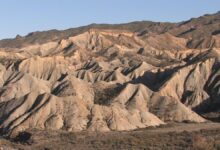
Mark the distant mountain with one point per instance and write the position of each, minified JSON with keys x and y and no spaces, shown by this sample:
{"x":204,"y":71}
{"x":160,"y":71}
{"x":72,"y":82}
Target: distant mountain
{"x":200,"y":32}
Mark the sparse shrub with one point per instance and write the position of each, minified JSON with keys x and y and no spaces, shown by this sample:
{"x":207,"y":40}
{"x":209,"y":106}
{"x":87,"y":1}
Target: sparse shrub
{"x":202,"y":143}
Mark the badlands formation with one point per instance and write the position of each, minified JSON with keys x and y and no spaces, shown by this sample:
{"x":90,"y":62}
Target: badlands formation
{"x":111,"y":77}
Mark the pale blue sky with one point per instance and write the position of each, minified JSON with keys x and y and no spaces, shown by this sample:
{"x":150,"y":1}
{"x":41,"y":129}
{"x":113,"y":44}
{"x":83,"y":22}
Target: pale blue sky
{"x":24,"y":16}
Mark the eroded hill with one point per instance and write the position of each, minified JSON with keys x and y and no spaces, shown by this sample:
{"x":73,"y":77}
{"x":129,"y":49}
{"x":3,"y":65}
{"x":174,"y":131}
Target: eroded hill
{"x":111,"y":77}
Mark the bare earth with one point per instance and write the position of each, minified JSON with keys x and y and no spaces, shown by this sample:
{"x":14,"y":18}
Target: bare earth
{"x":172,"y":136}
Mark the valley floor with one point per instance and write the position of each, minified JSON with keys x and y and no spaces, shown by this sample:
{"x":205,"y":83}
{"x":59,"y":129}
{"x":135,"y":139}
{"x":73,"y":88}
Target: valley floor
{"x":176,"y":136}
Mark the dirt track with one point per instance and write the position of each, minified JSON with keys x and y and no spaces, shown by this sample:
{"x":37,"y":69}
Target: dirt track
{"x":182,"y":127}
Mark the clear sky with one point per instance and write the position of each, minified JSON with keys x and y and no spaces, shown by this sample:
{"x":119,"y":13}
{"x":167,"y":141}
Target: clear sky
{"x":24,"y":16}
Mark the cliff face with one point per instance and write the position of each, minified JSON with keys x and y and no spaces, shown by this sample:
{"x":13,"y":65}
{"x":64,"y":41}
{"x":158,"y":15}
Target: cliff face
{"x":111,"y":77}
